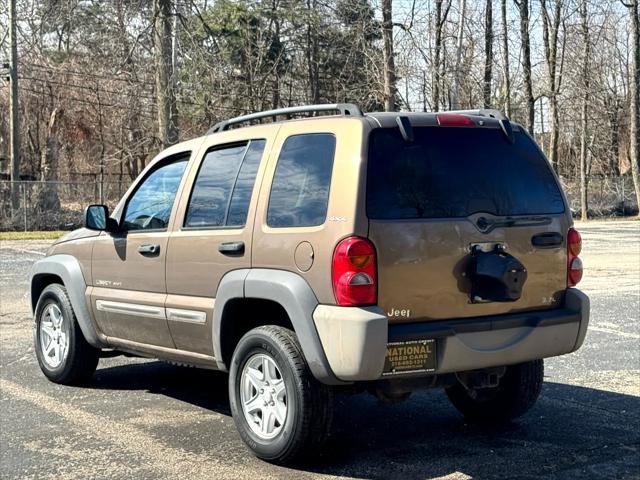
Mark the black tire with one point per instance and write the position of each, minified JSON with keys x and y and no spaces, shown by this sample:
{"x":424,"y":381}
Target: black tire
{"x":81,"y":359}
{"x":516,"y":393}
{"x":309,"y":403}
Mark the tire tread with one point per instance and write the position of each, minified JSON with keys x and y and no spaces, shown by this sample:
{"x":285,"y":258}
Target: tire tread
{"x":82,"y":358}
{"x":316,"y":399}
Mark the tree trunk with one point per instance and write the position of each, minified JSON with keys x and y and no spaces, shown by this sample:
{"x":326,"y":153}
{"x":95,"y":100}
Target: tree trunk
{"x":165,"y":91}
{"x":488,"y":52}
{"x":584,"y":185}
{"x":523,"y":7}
{"x":14,"y":115}
{"x":435,"y":101}
{"x":550,"y":30}
{"x":455,"y":96}
{"x":505,"y":59}
{"x":312,"y":54}
{"x":613,"y":114}
{"x":389,"y":63}
{"x":275,"y":84}
{"x":48,"y":200}
{"x":634,"y":89}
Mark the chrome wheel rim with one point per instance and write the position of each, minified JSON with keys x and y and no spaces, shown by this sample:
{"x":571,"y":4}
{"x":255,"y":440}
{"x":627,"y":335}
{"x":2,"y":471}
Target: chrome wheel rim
{"x":54,"y":336}
{"x":263,"y":395}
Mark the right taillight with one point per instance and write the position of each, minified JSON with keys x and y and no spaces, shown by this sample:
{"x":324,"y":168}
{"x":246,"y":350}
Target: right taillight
{"x":574,"y":264}
{"x":354,"y":272}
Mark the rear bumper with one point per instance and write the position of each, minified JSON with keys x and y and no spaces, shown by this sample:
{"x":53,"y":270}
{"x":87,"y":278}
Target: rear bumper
{"x":355,"y":339}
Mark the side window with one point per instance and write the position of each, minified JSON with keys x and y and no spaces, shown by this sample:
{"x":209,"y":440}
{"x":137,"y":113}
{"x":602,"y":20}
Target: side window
{"x":149,"y":207}
{"x":300,"y":189}
{"x":222,"y":190}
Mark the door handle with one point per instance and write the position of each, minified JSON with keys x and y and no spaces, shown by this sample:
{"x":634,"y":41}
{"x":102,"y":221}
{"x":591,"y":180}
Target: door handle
{"x":149,"y":249}
{"x":547,"y":240}
{"x":231,"y":248}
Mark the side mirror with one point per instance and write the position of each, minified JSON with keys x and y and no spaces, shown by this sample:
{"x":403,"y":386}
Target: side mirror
{"x":96,"y":217}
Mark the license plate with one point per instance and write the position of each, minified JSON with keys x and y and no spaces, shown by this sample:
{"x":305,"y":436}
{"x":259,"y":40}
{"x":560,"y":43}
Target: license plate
{"x":416,"y":356}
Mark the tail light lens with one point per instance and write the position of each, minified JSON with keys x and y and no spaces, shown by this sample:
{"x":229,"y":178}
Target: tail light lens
{"x":354,"y":272}
{"x":574,"y":264}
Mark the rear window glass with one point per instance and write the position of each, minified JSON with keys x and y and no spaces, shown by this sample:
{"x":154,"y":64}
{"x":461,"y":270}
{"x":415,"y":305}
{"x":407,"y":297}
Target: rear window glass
{"x":455,"y":172}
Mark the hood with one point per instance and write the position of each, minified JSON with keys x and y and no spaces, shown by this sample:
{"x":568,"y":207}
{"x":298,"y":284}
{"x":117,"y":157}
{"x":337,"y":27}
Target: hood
{"x":77,"y":234}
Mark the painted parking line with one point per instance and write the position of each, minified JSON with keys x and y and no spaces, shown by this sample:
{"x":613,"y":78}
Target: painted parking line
{"x":615,"y":332}
{"x":23,"y":250}
{"x":169,"y":462}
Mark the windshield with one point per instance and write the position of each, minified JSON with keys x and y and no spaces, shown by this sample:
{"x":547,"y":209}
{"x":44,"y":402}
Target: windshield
{"x":455,"y":172}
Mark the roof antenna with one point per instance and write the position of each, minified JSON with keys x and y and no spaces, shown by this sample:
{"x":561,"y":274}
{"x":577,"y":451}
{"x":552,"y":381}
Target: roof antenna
{"x":405,"y":128}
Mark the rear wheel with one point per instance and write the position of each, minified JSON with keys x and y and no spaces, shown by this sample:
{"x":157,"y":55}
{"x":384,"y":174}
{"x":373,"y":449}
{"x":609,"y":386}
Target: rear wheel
{"x":281,"y":411}
{"x":63,"y":353}
{"x":515,"y":394}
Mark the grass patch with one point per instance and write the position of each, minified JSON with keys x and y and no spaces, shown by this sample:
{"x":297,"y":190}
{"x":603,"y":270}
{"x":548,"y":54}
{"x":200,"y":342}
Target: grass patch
{"x":48,"y":235}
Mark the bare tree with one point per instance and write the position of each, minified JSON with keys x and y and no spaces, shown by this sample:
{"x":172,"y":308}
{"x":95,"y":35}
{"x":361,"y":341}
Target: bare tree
{"x":312,"y":47}
{"x":523,"y":7}
{"x":634,"y":90}
{"x":505,"y":58}
{"x":165,"y":90}
{"x":488,"y":52}
{"x":584,"y":119}
{"x":48,"y":199}
{"x":550,"y":28}
{"x":107,"y":66}
{"x":389,"y":63}
{"x":455,"y":94}
{"x":438,"y":68}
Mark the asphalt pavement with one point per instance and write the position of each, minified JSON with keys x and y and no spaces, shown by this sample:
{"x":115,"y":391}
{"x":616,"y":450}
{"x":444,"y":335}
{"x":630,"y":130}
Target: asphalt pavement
{"x":147,"y":419}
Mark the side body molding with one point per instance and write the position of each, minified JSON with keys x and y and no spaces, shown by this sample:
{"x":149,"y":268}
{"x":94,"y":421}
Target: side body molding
{"x":68,"y":269}
{"x":296,"y":297}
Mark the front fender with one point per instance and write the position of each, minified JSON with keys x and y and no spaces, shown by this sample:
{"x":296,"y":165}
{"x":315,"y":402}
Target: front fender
{"x":67,"y":268}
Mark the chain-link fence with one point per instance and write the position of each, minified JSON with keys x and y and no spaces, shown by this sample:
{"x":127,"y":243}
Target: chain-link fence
{"x":59,"y":205}
{"x":28,"y":205}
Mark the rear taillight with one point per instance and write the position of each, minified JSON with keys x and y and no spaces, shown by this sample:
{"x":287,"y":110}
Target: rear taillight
{"x":574,"y":264}
{"x":454,"y":120}
{"x":354,"y":272}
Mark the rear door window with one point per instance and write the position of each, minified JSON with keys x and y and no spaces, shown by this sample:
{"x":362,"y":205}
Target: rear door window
{"x":455,"y":172}
{"x":300,"y":189}
{"x":222,"y":190}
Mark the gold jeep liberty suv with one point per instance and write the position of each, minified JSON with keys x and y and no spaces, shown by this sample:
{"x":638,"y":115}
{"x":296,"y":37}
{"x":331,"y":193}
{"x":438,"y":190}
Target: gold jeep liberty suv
{"x":336,"y":251}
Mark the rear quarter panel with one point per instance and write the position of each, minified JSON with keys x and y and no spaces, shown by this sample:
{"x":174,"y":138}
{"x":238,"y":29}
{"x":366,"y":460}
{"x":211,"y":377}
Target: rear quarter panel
{"x":276,"y":247}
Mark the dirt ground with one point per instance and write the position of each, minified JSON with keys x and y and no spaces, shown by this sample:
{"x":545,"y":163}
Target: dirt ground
{"x":147,"y":419}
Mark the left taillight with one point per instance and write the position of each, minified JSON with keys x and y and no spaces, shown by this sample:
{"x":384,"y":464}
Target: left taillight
{"x":354,"y":272}
{"x":574,"y":264}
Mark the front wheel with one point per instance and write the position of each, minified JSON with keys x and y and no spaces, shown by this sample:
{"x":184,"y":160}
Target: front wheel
{"x":515,"y":394}
{"x":281,"y":411}
{"x":62,"y":351}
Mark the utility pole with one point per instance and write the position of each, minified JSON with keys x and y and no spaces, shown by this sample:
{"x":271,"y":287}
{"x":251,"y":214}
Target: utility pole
{"x":13,"y":108}
{"x":165,"y":91}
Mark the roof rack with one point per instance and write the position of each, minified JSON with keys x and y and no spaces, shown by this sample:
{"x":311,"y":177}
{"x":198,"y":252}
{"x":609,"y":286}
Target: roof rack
{"x":481,"y":112}
{"x":503,"y":120}
{"x":346,"y":109}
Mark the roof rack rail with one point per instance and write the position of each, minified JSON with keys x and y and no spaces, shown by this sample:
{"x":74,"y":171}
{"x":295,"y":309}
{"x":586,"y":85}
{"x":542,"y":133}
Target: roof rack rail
{"x":481,"y":112}
{"x":503,"y":120}
{"x":347,"y":109}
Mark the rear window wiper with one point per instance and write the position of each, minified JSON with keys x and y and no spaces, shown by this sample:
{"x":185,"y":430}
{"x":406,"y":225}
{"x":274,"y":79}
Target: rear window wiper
{"x":486,"y":225}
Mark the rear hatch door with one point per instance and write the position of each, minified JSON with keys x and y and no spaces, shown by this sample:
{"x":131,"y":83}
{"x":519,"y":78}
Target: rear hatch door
{"x":429,"y":201}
